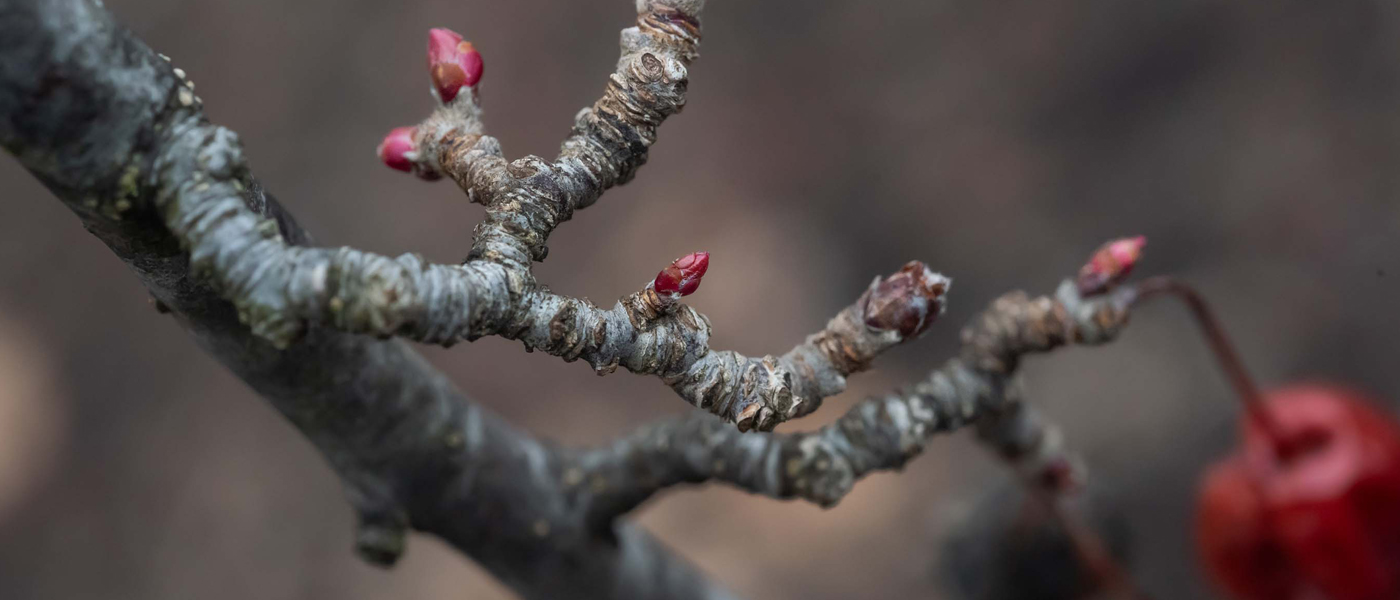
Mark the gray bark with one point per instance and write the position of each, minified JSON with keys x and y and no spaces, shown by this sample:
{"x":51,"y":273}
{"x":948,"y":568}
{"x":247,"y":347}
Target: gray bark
{"x":82,"y":105}
{"x":118,"y":136}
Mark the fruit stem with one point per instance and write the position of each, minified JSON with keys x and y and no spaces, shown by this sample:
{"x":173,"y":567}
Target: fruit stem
{"x":1225,"y":353}
{"x":1108,"y":573}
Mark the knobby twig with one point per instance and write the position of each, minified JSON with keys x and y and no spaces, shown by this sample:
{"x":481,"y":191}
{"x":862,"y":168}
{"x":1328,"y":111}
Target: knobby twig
{"x":880,"y":433}
{"x":198,"y":175}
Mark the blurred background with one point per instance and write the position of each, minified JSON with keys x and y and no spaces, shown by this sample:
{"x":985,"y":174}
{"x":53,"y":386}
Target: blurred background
{"x":1254,"y":142}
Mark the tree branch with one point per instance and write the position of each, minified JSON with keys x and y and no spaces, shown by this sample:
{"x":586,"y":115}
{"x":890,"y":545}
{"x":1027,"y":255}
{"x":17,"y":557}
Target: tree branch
{"x":879,"y":433}
{"x":754,"y":393}
{"x":89,"y":109}
{"x":119,"y":136}
{"x":194,"y":175}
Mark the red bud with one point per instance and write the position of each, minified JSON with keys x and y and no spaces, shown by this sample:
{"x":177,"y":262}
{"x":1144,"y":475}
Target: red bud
{"x":1110,"y":265}
{"x":1316,"y":519}
{"x":398,"y":150}
{"x":683,"y":276}
{"x":452,"y":63}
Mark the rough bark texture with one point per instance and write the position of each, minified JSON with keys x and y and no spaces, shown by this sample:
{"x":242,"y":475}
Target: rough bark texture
{"x":119,"y":136}
{"x":97,"y":116}
{"x":194,"y":175}
{"x":885,"y":432}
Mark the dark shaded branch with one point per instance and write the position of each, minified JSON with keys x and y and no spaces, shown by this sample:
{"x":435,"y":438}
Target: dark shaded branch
{"x":90,"y":111}
{"x":880,"y":433}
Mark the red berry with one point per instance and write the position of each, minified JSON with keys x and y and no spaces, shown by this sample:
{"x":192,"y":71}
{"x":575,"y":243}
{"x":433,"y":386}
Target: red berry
{"x":683,"y":276}
{"x":398,"y":150}
{"x":1311,"y":510}
{"x":1110,"y":265}
{"x":452,"y":63}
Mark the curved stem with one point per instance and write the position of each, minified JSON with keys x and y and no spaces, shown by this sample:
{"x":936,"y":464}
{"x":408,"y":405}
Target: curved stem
{"x":1224,"y":350}
{"x":1109,"y":574}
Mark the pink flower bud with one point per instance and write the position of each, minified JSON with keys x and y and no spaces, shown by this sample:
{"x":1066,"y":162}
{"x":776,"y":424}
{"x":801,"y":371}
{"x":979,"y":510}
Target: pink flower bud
{"x":907,"y":302}
{"x":398,"y":150}
{"x":1110,"y":265}
{"x":452,"y":63}
{"x":683,"y":276}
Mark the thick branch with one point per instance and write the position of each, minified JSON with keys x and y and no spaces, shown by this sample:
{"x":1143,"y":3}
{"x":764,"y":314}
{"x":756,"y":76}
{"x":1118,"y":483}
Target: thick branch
{"x":89,"y":110}
{"x":880,"y":433}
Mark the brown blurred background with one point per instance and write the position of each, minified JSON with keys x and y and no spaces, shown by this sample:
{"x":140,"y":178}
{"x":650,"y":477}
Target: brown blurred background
{"x":1254,"y":142}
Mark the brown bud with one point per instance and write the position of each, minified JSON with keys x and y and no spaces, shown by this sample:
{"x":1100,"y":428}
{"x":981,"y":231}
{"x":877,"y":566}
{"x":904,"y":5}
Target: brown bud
{"x":907,"y":302}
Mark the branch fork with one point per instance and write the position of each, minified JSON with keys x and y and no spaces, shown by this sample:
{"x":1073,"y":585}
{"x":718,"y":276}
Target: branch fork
{"x":412,"y":450}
